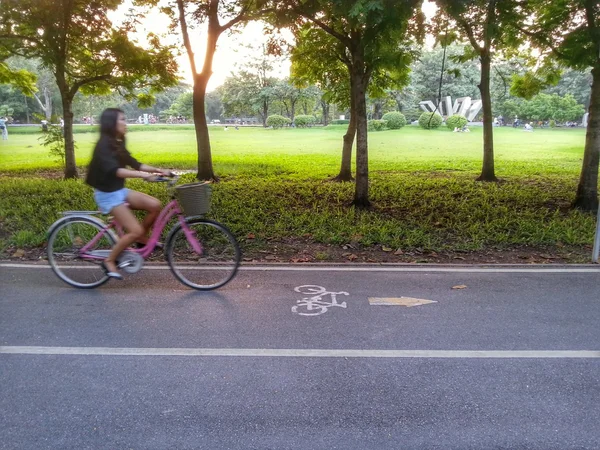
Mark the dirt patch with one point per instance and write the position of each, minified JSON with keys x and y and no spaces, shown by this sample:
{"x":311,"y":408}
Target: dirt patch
{"x":298,"y":252}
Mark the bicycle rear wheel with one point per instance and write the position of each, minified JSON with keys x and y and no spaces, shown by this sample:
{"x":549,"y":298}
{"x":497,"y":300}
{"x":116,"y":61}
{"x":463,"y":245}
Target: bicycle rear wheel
{"x":214,"y":265}
{"x":64,"y":245}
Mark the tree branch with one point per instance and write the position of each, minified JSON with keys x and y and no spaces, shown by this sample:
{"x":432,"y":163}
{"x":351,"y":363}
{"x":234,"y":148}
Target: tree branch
{"x":186,"y":37}
{"x":537,"y":36}
{"x":80,"y":83}
{"x":341,"y":37}
{"x":469,"y":31}
{"x":592,"y":26}
{"x":503,"y":78}
{"x":40,"y":102}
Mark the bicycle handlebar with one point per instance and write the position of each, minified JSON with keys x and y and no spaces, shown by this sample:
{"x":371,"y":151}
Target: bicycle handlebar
{"x":161,"y":179}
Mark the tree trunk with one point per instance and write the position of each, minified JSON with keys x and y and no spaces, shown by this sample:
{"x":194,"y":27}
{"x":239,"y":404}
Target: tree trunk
{"x":26,"y":108}
{"x":70,"y":165}
{"x":348,"y":141}
{"x":487,"y":171}
{"x":265,"y":113}
{"x":587,"y":190}
{"x":292,"y":110}
{"x":346,"y":168}
{"x":48,"y":100}
{"x":47,"y":105}
{"x":205,"y":167}
{"x":377,"y":110}
{"x":325,"y":107}
{"x":360,"y":81}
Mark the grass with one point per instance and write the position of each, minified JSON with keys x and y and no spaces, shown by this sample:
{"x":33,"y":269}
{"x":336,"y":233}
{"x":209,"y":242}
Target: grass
{"x":274,"y":187}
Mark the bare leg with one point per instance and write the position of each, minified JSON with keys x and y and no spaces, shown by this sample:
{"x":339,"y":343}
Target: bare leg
{"x":134,"y":231}
{"x":144,"y":202}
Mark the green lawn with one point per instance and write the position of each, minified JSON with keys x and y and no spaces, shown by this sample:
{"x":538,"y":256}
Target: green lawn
{"x":274,"y":187}
{"x":316,"y":152}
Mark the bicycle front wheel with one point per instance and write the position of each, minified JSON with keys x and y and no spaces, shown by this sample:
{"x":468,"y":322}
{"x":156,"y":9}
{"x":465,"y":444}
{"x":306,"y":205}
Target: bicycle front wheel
{"x":69,"y":263}
{"x":214,"y":260}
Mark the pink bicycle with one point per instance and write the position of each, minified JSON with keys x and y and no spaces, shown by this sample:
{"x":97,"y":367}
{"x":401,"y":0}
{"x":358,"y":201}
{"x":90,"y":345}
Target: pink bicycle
{"x":201,"y":253}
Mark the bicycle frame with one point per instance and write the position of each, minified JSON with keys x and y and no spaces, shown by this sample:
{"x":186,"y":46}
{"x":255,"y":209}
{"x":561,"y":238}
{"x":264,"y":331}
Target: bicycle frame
{"x":169,"y":211}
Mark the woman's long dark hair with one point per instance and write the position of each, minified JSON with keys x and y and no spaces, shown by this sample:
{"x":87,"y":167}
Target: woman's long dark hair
{"x":108,"y":131}
{"x":108,"y":122}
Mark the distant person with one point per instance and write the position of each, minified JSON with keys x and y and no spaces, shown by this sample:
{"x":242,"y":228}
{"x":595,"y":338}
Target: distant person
{"x":226,"y":128}
{"x":465,"y":129}
{"x":44,"y":125}
{"x":4,"y":128}
{"x":528,"y":127}
{"x":61,"y":122}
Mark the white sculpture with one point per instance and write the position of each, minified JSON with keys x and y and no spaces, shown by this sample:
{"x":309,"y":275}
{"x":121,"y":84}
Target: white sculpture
{"x":463,"y":106}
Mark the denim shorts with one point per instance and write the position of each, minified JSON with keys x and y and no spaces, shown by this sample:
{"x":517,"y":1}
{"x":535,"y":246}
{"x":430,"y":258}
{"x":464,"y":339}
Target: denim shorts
{"x":106,"y":201}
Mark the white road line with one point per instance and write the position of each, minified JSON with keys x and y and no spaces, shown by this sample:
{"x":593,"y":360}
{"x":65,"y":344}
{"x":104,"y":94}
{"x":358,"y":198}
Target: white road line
{"x":303,"y":353}
{"x":382,"y":268}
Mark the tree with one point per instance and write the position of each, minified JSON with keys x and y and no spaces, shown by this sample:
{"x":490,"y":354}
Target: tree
{"x":46,"y":84}
{"x":184,"y":105}
{"x":76,"y":40}
{"x":318,"y":58}
{"x":458,"y":80}
{"x":574,"y":82}
{"x":214,"y":105}
{"x":568,"y":32}
{"x":374,"y":37}
{"x":489,"y":26}
{"x":219,"y":16}
{"x":20,"y":79}
{"x":551,"y":107}
{"x":248,"y":94}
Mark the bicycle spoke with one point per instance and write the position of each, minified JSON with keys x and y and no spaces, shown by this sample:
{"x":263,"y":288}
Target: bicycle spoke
{"x":209,"y":262}
{"x":69,"y":252}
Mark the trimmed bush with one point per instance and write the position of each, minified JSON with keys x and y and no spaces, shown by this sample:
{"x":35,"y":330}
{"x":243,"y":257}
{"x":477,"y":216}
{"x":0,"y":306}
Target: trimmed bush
{"x":552,"y":123}
{"x":395,"y":120}
{"x":428,"y":122}
{"x":456,"y":121}
{"x":304,"y":121}
{"x":376,"y":125}
{"x":277,"y":121}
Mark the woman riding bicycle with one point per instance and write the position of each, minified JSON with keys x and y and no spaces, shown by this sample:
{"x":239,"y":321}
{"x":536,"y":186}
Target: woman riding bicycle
{"x":106,"y":174}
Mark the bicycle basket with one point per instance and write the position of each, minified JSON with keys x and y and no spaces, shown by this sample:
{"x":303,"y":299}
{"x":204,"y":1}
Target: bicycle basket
{"x":194,"y":198}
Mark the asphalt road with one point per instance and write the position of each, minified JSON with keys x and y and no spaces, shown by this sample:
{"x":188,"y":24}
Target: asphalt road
{"x":509,"y":361}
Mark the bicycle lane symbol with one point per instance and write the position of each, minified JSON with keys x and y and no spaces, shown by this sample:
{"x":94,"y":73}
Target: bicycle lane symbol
{"x":314,"y":304}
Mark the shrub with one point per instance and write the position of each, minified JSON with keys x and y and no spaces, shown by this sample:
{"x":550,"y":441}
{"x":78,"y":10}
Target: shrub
{"x":304,"y":121}
{"x":277,"y":121}
{"x":552,"y":123}
{"x":340,"y":122}
{"x":395,"y":120}
{"x":376,"y":125}
{"x":430,"y":120}
{"x":456,"y":121}
{"x":54,"y":140}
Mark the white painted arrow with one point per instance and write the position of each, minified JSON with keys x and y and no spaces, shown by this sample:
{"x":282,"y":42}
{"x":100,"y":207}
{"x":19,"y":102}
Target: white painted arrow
{"x":399,"y":301}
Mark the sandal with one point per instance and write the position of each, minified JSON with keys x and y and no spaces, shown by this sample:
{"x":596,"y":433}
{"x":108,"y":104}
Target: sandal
{"x":108,"y":273}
